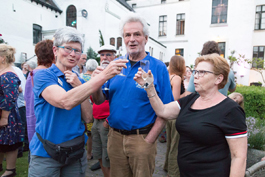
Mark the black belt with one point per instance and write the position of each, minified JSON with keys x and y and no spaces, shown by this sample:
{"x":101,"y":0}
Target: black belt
{"x":144,"y":130}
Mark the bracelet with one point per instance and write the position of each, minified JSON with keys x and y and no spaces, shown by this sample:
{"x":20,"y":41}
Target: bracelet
{"x":151,"y":96}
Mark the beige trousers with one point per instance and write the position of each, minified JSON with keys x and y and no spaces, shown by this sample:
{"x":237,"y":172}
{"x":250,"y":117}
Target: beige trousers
{"x":130,"y":155}
{"x":171,"y":162}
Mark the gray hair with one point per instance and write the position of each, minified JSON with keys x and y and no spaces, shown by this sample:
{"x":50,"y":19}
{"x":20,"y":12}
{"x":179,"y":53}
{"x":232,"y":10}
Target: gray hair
{"x":66,"y":35}
{"x":133,"y":17}
{"x":91,"y":64}
{"x":32,"y":64}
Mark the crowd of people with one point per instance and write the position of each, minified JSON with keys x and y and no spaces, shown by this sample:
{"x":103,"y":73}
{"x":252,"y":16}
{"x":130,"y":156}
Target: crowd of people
{"x":70,"y":102}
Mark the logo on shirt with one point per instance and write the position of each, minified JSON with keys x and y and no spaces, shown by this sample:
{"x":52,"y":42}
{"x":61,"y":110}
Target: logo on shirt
{"x":60,"y":82}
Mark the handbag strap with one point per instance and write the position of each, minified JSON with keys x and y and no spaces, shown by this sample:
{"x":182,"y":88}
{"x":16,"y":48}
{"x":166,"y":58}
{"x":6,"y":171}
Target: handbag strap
{"x":40,"y":138}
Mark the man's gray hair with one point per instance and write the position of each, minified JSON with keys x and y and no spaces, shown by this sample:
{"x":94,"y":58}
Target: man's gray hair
{"x":32,"y":64}
{"x":66,"y":35}
{"x":133,"y":17}
{"x":91,"y":64}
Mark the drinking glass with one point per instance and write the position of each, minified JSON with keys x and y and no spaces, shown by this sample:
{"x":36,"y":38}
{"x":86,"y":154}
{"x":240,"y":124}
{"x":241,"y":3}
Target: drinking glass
{"x":104,"y":64}
{"x":123,"y":70}
{"x":144,"y":64}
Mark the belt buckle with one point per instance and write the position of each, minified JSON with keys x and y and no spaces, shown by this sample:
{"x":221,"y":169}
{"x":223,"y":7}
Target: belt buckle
{"x":121,"y":131}
{"x":125,"y":132}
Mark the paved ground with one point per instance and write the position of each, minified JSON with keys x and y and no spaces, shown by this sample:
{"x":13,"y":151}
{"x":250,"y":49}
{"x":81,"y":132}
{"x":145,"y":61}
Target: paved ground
{"x":159,"y":172}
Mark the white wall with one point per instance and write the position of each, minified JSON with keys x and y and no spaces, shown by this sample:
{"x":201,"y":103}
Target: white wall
{"x":258,"y":40}
{"x":151,"y":10}
{"x":238,"y":33}
{"x":256,"y":77}
{"x":17,"y":26}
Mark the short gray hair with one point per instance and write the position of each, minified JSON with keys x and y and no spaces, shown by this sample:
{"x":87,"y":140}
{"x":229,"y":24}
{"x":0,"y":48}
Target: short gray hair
{"x":133,"y":17}
{"x":91,"y":64}
{"x":32,"y":64}
{"x":66,"y":35}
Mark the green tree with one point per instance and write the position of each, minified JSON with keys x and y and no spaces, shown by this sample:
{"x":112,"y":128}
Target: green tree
{"x":92,"y":54}
{"x":241,"y":60}
{"x":101,"y":39}
{"x":257,"y":64}
{"x":1,"y":39}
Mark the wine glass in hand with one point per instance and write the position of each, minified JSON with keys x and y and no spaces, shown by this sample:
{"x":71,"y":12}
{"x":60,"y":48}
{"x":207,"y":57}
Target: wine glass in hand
{"x":144,"y":64}
{"x":104,"y":64}
{"x":123,"y":70}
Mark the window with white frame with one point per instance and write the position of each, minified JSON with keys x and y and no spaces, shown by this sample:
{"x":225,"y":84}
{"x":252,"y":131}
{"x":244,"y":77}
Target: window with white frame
{"x":219,"y":11}
{"x":258,"y":57}
{"x":119,"y":42}
{"x":112,"y":41}
{"x":179,"y":52}
{"x":37,"y":36}
{"x":71,"y":16}
{"x":180,"y":24}
{"x":260,"y":17}
{"x":163,"y":25}
{"x":221,"y":46}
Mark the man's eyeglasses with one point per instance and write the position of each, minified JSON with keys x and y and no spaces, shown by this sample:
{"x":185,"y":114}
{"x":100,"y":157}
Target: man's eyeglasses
{"x":201,"y":72}
{"x":70,"y":49}
{"x":107,"y":54}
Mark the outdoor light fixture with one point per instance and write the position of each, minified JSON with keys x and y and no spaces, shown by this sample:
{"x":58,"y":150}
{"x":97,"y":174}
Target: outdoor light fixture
{"x":84,"y":13}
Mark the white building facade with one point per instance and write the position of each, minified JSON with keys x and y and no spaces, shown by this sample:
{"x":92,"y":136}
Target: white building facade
{"x":177,"y":27}
{"x":184,"y":25}
{"x":23,"y":16}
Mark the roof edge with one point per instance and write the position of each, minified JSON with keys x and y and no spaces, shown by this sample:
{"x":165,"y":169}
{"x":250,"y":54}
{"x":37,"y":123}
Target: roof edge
{"x":158,"y":42}
{"x":56,"y":9}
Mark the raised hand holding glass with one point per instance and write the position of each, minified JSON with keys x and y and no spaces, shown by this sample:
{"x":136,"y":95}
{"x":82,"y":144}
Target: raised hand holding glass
{"x":144,"y":64}
{"x":104,"y":64}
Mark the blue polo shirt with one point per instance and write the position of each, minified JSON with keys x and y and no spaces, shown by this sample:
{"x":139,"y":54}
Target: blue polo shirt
{"x":54,"y":124}
{"x":129,"y":105}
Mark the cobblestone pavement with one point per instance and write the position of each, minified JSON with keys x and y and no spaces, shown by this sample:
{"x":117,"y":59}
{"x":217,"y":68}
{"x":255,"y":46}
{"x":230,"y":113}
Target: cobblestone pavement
{"x":159,"y":172}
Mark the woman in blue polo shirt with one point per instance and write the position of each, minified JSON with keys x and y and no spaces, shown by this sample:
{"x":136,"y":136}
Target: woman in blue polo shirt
{"x":59,"y":109}
{"x":61,"y":101}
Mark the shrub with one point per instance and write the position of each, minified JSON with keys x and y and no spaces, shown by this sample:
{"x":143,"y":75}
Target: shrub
{"x":256,"y":133}
{"x":254,"y":100}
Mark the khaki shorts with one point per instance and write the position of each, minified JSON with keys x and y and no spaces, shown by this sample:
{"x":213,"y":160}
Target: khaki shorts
{"x":45,"y":166}
{"x":99,"y":141}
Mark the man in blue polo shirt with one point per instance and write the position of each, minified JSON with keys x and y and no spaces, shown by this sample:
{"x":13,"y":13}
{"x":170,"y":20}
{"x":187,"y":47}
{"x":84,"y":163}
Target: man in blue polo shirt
{"x":134,"y":125}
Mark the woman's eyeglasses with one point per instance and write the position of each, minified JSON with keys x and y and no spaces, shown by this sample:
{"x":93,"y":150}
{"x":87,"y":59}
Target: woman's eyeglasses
{"x":201,"y":73}
{"x":70,"y":49}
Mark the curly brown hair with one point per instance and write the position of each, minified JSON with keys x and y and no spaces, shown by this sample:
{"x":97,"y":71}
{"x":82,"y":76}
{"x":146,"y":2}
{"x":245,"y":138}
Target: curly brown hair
{"x":44,"y":52}
{"x":210,"y":47}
